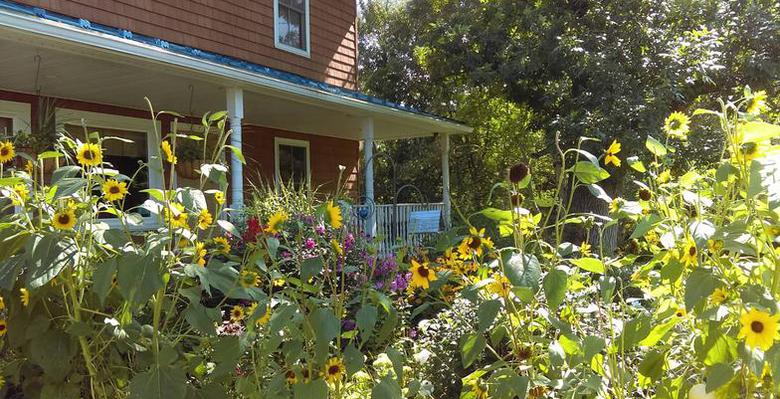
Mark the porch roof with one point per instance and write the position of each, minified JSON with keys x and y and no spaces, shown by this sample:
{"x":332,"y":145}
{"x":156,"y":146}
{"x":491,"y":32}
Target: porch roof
{"x":123,"y":67}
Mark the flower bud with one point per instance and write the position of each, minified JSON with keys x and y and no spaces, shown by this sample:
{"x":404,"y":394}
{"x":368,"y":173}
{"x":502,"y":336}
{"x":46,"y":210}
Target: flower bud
{"x":518,"y":172}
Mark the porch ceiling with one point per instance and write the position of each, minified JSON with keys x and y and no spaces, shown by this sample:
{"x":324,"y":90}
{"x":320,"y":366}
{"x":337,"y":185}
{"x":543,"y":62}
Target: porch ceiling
{"x":74,"y":70}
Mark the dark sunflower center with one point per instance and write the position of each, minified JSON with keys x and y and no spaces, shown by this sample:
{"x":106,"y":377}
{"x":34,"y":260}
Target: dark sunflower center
{"x":114,"y":190}
{"x":4,"y":151}
{"x":64,"y":219}
{"x":423,"y":272}
{"x":2,"y":327}
{"x":475,"y":242}
{"x":757,"y":327}
{"x":333,"y":370}
{"x":679,"y":314}
{"x":88,"y":155}
{"x":692,"y":251}
{"x":674,"y":124}
{"x":290,"y":374}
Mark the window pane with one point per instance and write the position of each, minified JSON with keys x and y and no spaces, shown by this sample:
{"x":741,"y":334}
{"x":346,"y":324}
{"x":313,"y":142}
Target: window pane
{"x":6,"y":126}
{"x":291,"y":23}
{"x":125,"y":158}
{"x":292,"y":164}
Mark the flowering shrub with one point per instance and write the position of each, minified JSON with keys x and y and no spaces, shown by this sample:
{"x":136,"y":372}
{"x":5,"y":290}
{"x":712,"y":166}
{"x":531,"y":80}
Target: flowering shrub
{"x":169,"y":299}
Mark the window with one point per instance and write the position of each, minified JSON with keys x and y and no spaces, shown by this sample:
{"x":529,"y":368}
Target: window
{"x":292,"y":161}
{"x":291,"y":26}
{"x":14,"y":118}
{"x":123,"y":155}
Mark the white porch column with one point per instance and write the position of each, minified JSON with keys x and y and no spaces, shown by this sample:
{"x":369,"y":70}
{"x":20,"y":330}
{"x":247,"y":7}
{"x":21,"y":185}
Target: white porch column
{"x":445,"y":179}
{"x":235,"y":108}
{"x":368,"y":168}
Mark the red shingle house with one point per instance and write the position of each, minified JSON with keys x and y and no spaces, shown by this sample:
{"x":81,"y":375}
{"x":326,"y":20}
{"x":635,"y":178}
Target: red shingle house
{"x":284,"y":69}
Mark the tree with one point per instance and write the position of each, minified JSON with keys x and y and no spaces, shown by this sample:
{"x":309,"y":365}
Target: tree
{"x":604,"y":69}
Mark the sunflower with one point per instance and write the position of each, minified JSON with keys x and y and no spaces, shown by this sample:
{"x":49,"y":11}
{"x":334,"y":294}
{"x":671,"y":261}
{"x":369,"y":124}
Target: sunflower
{"x":719,"y":296}
{"x":204,"y":219}
{"x":474,"y":243}
{"x":263,"y":320}
{"x":479,"y":391}
{"x":276,"y":220}
{"x":175,"y":216}
{"x":3,"y":327}
{"x":64,"y":219}
{"x":21,"y":194}
{"x":7,"y":152}
{"x":756,"y":103}
{"x":611,"y":155}
{"x":200,"y":253}
{"x":89,"y":154}
{"x":223,"y":243}
{"x":585,"y":249}
{"x":219,"y":197}
{"x":237,"y":313}
{"x":759,"y":329}
{"x":664,"y":177}
{"x":715,"y":246}
{"x":28,"y":167}
{"x":680,"y":313}
{"x":24,"y":296}
{"x":291,"y":377}
{"x":168,"y":152}
{"x":249,"y":279}
{"x":676,"y":125}
{"x":690,"y":254}
{"x":334,"y":370}
{"x":2,"y":303}
{"x":114,"y":190}
{"x":337,"y":247}
{"x":334,"y":215}
{"x":422,"y":274}
{"x":615,"y":205}
{"x":500,"y":285}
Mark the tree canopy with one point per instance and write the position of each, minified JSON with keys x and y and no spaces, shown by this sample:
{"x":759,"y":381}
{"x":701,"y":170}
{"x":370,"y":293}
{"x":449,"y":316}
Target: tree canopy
{"x":522,"y":72}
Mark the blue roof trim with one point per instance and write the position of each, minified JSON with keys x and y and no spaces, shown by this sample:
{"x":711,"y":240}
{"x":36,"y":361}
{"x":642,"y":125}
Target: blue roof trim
{"x":212,"y":57}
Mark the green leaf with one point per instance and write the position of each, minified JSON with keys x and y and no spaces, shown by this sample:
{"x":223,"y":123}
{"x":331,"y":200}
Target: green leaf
{"x":326,"y":327}
{"x":201,"y":318}
{"x":366,"y":321}
{"x":387,"y":388}
{"x":311,"y":267}
{"x":523,"y":271}
{"x":53,"y":351}
{"x":316,"y":389}
{"x":50,"y":255}
{"x":757,"y":131}
{"x":397,"y":358}
{"x":10,"y":271}
{"x":645,"y":224}
{"x":657,"y":333}
{"x":62,"y":172}
{"x":656,"y":147}
{"x":555,"y":284}
{"x":159,"y":382}
{"x":69,"y":185}
{"x":589,"y":264}
{"x":471,"y":347}
{"x":353,"y":359}
{"x":227,"y":351}
{"x":636,"y":164}
{"x":229,"y":227}
{"x":698,"y":286}
{"x":589,"y":173}
{"x":138,"y":277}
{"x":652,"y":366}
{"x":497,"y":214}
{"x":634,"y":331}
{"x":487,"y":313}
{"x":237,"y":153}
{"x":103,"y":278}
{"x":719,"y":375}
{"x":591,"y":345}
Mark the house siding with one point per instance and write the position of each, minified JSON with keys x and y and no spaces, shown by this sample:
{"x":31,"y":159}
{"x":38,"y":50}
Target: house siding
{"x":236,"y":28}
{"x":326,"y":154}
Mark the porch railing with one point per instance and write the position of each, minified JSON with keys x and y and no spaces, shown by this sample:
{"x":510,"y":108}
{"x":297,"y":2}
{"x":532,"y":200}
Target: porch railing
{"x":392,"y":223}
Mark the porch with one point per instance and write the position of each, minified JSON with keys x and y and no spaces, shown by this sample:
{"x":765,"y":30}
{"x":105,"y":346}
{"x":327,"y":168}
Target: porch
{"x":96,"y":69}
{"x":397,"y":224}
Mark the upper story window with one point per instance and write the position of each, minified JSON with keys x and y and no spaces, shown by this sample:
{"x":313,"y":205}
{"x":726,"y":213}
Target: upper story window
{"x":291,"y":26}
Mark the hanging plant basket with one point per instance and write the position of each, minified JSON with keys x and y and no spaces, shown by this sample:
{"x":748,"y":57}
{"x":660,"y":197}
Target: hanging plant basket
{"x":188,"y":169}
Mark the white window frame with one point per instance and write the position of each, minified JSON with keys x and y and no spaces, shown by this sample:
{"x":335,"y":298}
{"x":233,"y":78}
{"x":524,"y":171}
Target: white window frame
{"x":302,"y":52}
{"x":294,"y":143}
{"x":19,"y":113}
{"x":126,"y":123}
